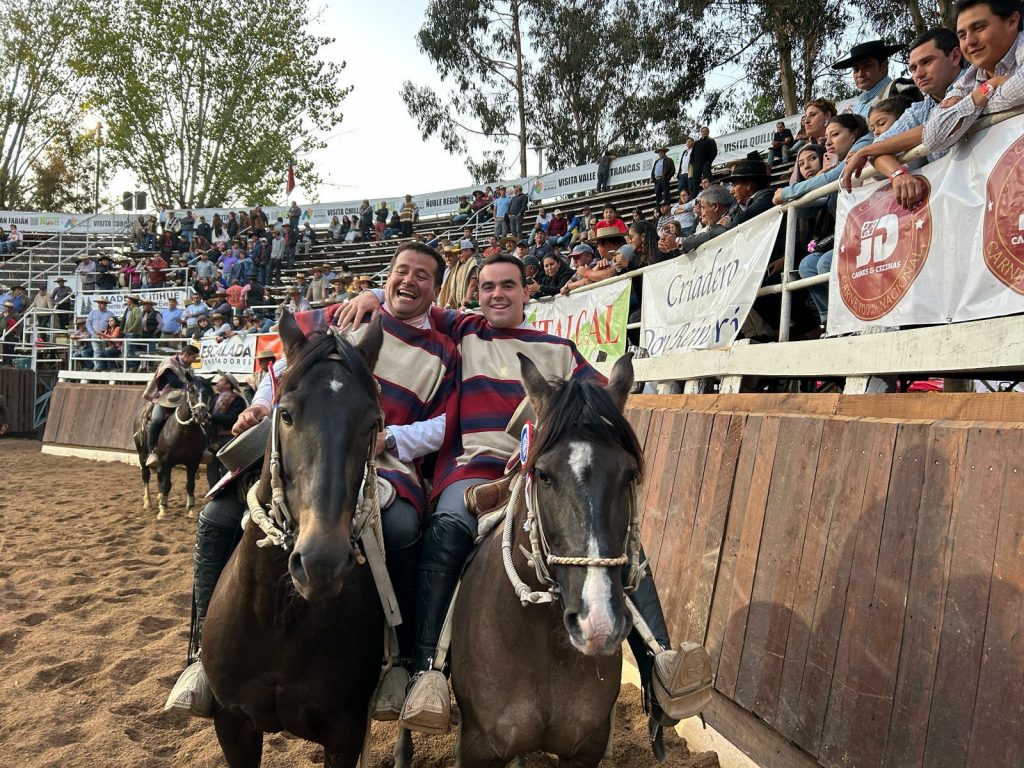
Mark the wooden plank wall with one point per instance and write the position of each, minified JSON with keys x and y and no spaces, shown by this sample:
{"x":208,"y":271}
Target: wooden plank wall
{"x":93,"y":415}
{"x":858,"y":581}
{"x":18,"y":387}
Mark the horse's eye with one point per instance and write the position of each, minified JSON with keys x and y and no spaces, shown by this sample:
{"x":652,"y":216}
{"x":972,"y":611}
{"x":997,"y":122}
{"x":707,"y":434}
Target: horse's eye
{"x":286,"y":417}
{"x":543,"y":477}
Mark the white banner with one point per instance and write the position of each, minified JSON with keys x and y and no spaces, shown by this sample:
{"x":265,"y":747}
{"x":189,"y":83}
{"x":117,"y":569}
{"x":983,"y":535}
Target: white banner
{"x":595,"y":319}
{"x":36,"y":221}
{"x":959,"y":256}
{"x":701,"y":299}
{"x":234,"y":355}
{"x":84,"y":302}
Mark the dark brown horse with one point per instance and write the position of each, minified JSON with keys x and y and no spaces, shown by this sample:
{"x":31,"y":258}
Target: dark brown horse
{"x":545,"y":677}
{"x":294,"y":640}
{"x":183,"y":439}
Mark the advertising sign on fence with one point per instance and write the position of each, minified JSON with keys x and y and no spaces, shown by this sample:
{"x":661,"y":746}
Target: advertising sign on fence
{"x":958,"y":256}
{"x":234,"y":355}
{"x":84,"y":302}
{"x":595,"y":320}
{"x":701,"y":299}
{"x":56,"y":222}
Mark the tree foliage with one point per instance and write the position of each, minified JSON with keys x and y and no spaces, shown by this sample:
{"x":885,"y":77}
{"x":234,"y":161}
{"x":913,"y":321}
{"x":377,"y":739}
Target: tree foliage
{"x":479,"y":47}
{"x":614,"y":76}
{"x":576,"y":77}
{"x":491,"y":168}
{"x":208,"y":102}
{"x":40,"y":90}
{"x":63,"y":177}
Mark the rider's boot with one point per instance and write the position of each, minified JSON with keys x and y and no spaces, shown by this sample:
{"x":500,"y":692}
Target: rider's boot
{"x":680,"y":679}
{"x":428,"y":704}
{"x":214,"y":544}
{"x":402,"y":569}
{"x":152,"y":436}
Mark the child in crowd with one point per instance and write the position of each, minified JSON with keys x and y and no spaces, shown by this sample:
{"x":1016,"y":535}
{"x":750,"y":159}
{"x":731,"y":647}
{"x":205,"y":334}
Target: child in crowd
{"x":885,"y":113}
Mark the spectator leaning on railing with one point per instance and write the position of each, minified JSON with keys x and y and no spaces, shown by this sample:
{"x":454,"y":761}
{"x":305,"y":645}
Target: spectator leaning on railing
{"x":990,"y":38}
{"x":936,"y":64}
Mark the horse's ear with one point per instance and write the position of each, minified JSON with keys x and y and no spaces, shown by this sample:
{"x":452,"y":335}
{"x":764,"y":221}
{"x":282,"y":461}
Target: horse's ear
{"x":537,"y":387}
{"x":292,"y":337}
{"x":369,"y":345}
{"x":621,"y":381}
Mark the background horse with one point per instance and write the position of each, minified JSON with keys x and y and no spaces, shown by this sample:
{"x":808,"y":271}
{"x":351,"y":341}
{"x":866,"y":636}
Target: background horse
{"x":545,"y":677}
{"x":3,"y":415}
{"x":183,"y":439}
{"x":295,"y":641}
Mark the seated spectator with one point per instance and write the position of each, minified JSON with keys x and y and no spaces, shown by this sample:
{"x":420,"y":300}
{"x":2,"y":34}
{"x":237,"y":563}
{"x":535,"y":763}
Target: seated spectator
{"x":307,"y":239}
{"x":715,"y":203}
{"x":750,"y":180}
{"x":541,"y":247}
{"x":493,"y":246}
{"x":558,"y":228}
{"x":614,"y":255}
{"x":394,"y":227}
{"x":578,"y":226}
{"x":817,"y":113}
{"x":611,"y":219}
{"x":334,"y":231}
{"x":782,"y":143}
{"x":582,"y":257}
{"x":683,"y":213}
{"x":935,"y":63}
{"x":845,"y":133}
{"x":531,"y":265}
{"x":480,"y":204}
{"x":664,"y":215}
{"x":463,"y":211}
{"x":296,"y":301}
{"x":82,"y":347}
{"x":204,"y":268}
{"x":13,"y":241}
{"x":543,"y":219}
{"x":870,"y":64}
{"x":236,"y":297}
{"x":885,"y":113}
{"x":556,"y":275}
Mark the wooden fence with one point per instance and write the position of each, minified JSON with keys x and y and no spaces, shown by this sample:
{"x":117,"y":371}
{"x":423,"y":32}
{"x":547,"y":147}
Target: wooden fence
{"x":17,"y":386}
{"x":858,"y":580}
{"x":96,"y":416}
{"x":854,"y":564}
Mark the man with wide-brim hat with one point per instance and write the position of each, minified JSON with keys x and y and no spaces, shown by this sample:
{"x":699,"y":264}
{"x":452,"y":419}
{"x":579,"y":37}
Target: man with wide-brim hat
{"x":662,"y":173}
{"x":870,"y":64}
{"x":750,"y":180}
{"x":508,"y":243}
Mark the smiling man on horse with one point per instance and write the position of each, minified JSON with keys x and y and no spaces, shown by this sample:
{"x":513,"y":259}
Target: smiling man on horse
{"x":170,"y":379}
{"x":475,"y":450}
{"x":415,"y":371}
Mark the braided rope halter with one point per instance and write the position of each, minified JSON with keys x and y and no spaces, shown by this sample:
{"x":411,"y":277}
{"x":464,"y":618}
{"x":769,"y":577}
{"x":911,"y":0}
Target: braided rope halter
{"x":524,"y":492}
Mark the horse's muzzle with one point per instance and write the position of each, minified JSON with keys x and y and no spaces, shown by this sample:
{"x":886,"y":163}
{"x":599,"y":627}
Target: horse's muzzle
{"x":319,"y":564}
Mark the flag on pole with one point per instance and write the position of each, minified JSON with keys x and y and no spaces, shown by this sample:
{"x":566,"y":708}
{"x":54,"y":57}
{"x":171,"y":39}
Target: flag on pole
{"x":291,"y":178}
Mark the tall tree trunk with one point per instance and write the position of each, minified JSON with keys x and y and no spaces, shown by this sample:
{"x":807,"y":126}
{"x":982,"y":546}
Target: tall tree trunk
{"x":920,"y":26}
{"x":520,"y":86}
{"x":786,"y":75}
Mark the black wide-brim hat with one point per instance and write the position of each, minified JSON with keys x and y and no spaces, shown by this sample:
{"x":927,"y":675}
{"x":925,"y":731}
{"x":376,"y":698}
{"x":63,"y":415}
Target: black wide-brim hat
{"x":749,"y":169}
{"x":872,"y":49}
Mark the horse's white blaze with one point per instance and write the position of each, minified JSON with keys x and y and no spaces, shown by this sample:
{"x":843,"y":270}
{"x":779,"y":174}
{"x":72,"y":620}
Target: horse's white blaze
{"x":581,"y":456}
{"x":597,"y":598}
{"x":336,"y":385}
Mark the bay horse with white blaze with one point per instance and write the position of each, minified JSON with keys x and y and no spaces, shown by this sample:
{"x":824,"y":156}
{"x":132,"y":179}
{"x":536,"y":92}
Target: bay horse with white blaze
{"x":294,"y":640}
{"x":183,"y":439}
{"x":546,"y":676}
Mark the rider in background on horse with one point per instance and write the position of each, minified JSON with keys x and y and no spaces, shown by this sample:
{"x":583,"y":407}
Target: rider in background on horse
{"x":475,"y":450}
{"x":415,"y":371}
{"x":173,"y":374}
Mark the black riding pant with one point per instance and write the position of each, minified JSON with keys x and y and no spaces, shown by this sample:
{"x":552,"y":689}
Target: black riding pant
{"x":156,"y":423}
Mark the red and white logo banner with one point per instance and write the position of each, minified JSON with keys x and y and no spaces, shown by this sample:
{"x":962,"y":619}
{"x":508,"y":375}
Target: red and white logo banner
{"x":958,"y":256}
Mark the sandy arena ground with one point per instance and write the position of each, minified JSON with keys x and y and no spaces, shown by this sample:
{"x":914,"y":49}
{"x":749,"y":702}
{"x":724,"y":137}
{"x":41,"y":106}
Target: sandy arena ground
{"x":94,"y":610}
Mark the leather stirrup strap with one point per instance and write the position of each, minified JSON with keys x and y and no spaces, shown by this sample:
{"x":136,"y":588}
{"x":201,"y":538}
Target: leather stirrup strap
{"x":446,"y":632}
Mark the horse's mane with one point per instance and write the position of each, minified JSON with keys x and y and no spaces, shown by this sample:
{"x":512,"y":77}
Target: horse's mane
{"x":582,"y":408}
{"x":319,"y":347}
